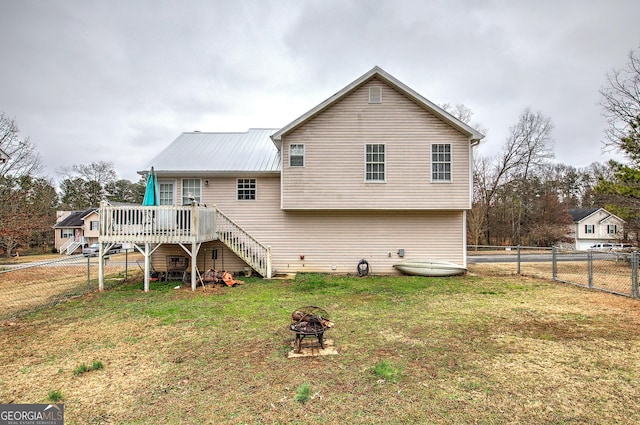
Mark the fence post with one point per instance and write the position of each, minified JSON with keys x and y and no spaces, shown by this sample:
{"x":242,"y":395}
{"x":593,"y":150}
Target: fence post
{"x":590,"y":268}
{"x":634,"y":274}
{"x":518,"y":256}
{"x":88,"y":273}
{"x":126,"y":263}
{"x":554,"y":263}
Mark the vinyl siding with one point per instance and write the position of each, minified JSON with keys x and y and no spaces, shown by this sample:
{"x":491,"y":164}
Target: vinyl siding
{"x":333,"y":177}
{"x":330,"y":241}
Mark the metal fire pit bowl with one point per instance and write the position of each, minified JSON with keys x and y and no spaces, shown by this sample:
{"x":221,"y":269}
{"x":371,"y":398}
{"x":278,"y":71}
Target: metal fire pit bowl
{"x":309,"y":320}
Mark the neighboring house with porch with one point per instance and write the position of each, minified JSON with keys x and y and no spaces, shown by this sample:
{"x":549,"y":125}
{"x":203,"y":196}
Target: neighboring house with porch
{"x":375,"y":172}
{"x":595,"y":228}
{"x":75,"y":229}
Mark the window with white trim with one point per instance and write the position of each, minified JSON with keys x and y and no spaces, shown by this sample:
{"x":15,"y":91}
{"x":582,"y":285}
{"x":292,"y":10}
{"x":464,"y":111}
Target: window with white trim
{"x":441,"y":162}
{"x":246,"y":189}
{"x":190,"y":187}
{"x":166,"y":192}
{"x":375,"y":159}
{"x":94,"y":225}
{"x":590,"y":229}
{"x":612,"y":229}
{"x":296,"y":155}
{"x":67,"y":233}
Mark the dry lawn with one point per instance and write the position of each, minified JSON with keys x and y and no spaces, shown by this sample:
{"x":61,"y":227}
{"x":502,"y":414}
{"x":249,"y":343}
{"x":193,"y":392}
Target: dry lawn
{"x":30,"y":288}
{"x":473,"y":349}
{"x":607,"y":274}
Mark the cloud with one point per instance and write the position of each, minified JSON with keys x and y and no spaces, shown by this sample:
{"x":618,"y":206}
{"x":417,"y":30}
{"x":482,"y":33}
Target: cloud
{"x":117,"y":81}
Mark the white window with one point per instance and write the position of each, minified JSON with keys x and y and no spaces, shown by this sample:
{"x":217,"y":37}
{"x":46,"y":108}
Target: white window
{"x":246,"y":189}
{"x":375,"y":94}
{"x":296,"y":156}
{"x":375,"y":163}
{"x":167,"y":192}
{"x":93,"y":225}
{"x":66,"y":233}
{"x":612,"y":229}
{"x":589,"y":228}
{"x":190,"y":188}
{"x":441,"y":162}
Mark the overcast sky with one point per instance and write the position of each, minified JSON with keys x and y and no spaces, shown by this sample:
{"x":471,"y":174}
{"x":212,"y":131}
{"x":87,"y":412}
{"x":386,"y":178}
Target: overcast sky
{"x":119,"y":80}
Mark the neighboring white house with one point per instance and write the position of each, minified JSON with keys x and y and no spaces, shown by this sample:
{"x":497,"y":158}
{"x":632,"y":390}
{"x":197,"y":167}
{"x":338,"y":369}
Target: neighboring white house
{"x":595,"y":228}
{"x":375,"y":172}
{"x":75,"y":229}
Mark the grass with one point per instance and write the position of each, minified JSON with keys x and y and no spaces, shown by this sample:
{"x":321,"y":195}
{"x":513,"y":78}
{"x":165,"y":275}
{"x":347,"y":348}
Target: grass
{"x":472,"y":349}
{"x":386,"y":372}
{"x":83,"y":368}
{"x":55,"y":396}
{"x":303,"y":393}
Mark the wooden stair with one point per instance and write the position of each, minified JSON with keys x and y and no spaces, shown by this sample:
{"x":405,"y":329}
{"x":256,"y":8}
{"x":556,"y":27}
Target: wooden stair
{"x":245,"y":246}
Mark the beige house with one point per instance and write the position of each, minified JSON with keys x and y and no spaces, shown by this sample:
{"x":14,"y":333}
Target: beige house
{"x":376,"y":172}
{"x":596,"y":228}
{"x":75,"y":229}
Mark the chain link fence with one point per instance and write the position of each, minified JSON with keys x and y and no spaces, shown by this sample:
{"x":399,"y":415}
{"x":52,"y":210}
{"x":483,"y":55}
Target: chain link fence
{"x":615,"y":272}
{"x":31,"y":286}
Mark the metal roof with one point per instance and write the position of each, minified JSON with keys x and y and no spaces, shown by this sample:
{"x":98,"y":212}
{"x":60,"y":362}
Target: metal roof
{"x":199,"y":152}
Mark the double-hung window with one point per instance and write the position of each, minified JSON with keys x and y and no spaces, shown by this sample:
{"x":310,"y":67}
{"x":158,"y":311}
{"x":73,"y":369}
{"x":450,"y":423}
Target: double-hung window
{"x":441,"y":162}
{"x":190,"y":188}
{"x":94,"y":225}
{"x":589,"y":229}
{"x":375,"y":160}
{"x":296,"y":155}
{"x":166,"y":192}
{"x":246,"y":189}
{"x":612,"y":229}
{"x":66,"y":233}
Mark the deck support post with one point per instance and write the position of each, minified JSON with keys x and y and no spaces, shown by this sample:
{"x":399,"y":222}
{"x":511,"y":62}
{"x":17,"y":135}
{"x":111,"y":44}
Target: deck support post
{"x":100,"y":266}
{"x":147,"y":265}
{"x":194,"y":256}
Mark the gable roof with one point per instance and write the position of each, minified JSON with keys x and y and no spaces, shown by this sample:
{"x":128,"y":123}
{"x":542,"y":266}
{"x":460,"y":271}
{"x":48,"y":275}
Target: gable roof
{"x":378,"y":72}
{"x":581,"y":213}
{"x":196,"y":152}
{"x":75,"y":219}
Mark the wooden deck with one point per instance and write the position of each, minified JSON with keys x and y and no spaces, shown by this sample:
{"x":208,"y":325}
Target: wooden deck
{"x":188,"y":226}
{"x":161,"y":224}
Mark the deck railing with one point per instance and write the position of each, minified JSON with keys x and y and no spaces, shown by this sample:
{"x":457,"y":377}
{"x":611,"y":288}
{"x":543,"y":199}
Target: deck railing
{"x":245,"y":246}
{"x":157,"y":224}
{"x":190,"y":224}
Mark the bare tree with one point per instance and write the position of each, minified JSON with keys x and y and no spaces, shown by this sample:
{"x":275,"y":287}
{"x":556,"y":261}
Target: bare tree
{"x":24,"y":159}
{"x":102,"y":172}
{"x":526,"y":151}
{"x":620,"y":100}
{"x":460,"y":111}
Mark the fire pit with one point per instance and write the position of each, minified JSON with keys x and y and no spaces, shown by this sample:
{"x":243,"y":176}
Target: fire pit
{"x":309,"y":320}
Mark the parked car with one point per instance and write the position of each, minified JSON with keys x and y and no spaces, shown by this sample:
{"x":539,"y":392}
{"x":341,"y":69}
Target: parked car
{"x":613,"y":247}
{"x":94,"y":249}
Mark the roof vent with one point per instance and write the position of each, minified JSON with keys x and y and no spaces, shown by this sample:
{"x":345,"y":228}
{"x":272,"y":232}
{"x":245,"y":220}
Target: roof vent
{"x":375,"y":94}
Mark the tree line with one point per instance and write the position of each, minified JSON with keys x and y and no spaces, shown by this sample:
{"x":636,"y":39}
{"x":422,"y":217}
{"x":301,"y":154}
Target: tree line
{"x":29,"y":202}
{"x":520,"y":196}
